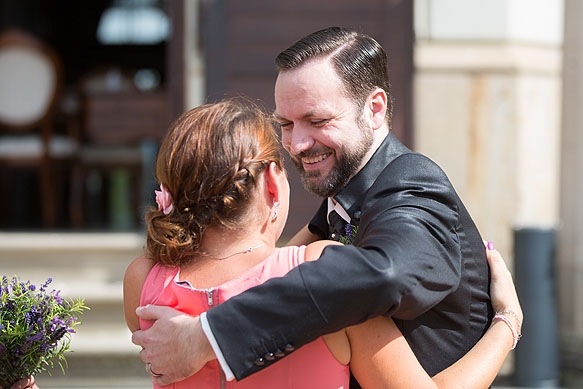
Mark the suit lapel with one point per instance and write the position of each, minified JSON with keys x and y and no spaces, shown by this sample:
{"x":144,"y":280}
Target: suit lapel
{"x":351,"y":196}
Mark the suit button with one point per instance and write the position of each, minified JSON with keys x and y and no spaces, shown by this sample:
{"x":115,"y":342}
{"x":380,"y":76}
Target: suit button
{"x":269,"y":356}
{"x":289,"y":348}
{"x":357,"y":215}
{"x":259,"y":362}
{"x":279,"y":353}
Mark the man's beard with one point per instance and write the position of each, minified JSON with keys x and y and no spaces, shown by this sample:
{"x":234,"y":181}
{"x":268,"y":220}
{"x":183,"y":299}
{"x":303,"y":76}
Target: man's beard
{"x":347,"y":165}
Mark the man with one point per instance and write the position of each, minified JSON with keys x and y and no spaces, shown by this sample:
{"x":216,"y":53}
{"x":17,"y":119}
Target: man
{"x":417,"y":255}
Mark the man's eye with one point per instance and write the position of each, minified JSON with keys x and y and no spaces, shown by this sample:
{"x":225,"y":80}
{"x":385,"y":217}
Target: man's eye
{"x":319,"y":123}
{"x":285,"y":124}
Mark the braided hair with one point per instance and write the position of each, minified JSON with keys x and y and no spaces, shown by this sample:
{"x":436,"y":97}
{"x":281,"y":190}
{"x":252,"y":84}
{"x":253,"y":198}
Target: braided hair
{"x":209,"y":162}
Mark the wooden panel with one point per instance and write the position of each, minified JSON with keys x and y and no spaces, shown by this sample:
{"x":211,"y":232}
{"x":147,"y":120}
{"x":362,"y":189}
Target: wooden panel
{"x":305,"y":6}
{"x":126,"y":117}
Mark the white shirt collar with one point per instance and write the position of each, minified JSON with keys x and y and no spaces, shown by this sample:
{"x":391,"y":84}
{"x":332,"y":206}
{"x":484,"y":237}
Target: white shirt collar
{"x":335,"y":206}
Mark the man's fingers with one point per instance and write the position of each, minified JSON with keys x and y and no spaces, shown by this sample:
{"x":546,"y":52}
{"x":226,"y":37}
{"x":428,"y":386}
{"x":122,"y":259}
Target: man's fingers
{"x":138,"y":339}
{"x":151,"y":312}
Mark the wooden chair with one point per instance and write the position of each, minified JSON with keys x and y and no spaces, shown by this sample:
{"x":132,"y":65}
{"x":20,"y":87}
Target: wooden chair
{"x":31,"y":77}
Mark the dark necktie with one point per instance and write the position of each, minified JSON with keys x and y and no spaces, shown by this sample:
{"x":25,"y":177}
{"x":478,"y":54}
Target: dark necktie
{"x":337,"y":226}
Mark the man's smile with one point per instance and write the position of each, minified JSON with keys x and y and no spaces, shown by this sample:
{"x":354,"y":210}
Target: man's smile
{"x":314,"y":159}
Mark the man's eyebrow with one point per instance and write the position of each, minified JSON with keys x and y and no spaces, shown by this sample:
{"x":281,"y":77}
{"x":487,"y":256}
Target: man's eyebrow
{"x":304,"y":116}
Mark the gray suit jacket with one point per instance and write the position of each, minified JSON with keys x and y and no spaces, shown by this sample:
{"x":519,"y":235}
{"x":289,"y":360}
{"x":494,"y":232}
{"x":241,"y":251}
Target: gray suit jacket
{"x":417,"y":257}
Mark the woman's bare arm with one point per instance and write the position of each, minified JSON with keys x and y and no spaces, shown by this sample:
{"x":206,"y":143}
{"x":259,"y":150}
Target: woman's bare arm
{"x":302,"y":237}
{"x":134,"y":278}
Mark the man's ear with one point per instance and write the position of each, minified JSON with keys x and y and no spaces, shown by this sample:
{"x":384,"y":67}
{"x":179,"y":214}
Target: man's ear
{"x":377,"y":105}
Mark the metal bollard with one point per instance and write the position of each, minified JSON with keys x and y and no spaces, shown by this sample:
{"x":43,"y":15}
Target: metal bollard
{"x":536,"y":355}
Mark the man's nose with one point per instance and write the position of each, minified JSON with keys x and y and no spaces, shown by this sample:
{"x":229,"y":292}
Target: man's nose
{"x":300,"y":141}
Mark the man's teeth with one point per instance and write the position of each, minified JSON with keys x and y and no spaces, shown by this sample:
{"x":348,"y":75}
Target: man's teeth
{"x":318,"y":158}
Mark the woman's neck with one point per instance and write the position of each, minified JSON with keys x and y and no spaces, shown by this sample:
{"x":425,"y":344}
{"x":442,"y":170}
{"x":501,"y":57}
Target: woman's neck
{"x":226,"y":256}
{"x":220,"y":244}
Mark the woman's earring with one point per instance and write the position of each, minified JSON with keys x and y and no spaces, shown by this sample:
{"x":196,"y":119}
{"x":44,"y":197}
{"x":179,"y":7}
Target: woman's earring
{"x":276,"y":207}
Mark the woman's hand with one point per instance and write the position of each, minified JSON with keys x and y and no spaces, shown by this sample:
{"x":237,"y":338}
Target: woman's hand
{"x":25,"y":383}
{"x":502,"y":289}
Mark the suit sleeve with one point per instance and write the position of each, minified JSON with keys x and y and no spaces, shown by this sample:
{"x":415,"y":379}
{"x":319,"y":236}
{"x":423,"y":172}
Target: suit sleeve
{"x":405,"y":260}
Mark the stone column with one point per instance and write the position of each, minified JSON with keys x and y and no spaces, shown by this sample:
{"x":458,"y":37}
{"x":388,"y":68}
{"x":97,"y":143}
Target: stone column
{"x":487,"y":107}
{"x":570,"y":233}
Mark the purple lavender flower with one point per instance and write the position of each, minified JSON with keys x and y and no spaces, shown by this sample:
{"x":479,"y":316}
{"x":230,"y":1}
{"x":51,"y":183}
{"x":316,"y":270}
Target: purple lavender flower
{"x":34,"y":328}
{"x":348,"y":230}
{"x":43,"y":287}
{"x":36,"y":337}
{"x":56,"y":296}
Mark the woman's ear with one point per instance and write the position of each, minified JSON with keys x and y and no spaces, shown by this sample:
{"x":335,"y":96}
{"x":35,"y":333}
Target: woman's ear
{"x":272,"y":181}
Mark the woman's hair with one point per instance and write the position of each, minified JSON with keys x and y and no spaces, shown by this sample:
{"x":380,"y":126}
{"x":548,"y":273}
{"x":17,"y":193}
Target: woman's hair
{"x":209,"y":162}
{"x":359,"y":60}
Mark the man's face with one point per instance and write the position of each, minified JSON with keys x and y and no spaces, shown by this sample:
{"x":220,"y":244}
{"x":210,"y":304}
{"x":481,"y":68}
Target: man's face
{"x":324,"y":134}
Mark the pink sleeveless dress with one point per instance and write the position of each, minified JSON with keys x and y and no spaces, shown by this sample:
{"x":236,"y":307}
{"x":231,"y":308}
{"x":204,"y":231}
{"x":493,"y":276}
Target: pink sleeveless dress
{"x":311,"y":366}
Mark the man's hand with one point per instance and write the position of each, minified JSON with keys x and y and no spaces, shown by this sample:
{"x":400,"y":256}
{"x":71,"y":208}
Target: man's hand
{"x":175,"y":347}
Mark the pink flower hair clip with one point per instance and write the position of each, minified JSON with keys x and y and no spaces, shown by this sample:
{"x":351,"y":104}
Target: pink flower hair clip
{"x":164,"y":200}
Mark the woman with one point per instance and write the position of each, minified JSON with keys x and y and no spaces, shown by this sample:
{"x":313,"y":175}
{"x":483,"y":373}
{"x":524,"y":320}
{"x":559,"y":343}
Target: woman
{"x":222,"y":206}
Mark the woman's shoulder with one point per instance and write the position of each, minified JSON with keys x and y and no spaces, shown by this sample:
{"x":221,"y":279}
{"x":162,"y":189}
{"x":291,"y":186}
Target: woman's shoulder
{"x":139,"y":268}
{"x":134,"y":278}
{"x":314,"y":250}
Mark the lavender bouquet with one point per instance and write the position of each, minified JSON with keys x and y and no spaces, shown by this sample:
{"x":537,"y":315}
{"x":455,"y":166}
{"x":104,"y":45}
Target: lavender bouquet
{"x":35,"y":329}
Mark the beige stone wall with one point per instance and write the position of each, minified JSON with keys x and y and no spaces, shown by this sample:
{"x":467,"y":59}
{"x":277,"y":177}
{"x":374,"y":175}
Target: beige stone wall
{"x":489,"y":114}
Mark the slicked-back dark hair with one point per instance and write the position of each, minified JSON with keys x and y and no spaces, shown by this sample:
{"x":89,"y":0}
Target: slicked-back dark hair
{"x":359,"y":60}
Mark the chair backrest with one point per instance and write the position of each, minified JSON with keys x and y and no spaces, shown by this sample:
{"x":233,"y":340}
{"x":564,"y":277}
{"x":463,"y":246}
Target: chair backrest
{"x":30,"y":80}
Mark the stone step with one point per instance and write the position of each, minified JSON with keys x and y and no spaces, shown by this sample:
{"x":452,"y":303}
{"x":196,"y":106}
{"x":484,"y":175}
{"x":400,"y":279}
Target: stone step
{"x":71,"y":259}
{"x":98,"y":371}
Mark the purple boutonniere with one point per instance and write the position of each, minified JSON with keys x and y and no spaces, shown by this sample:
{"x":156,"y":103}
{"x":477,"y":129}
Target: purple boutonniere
{"x":349,"y":234}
